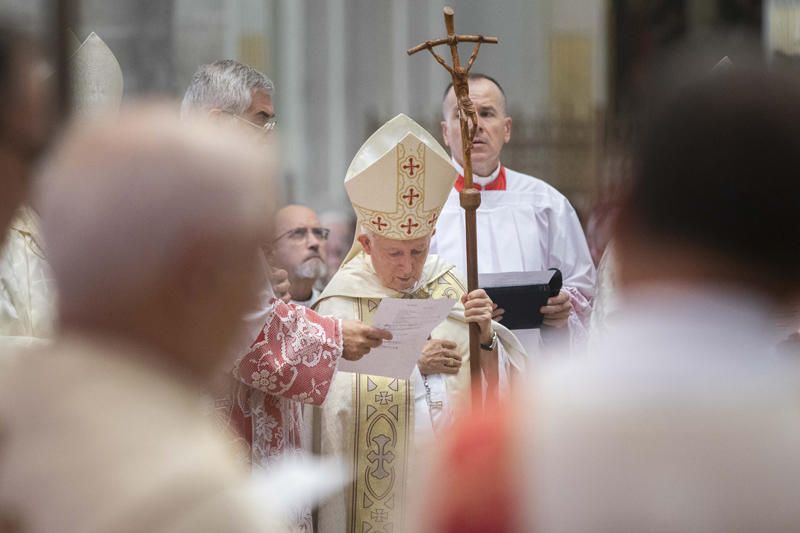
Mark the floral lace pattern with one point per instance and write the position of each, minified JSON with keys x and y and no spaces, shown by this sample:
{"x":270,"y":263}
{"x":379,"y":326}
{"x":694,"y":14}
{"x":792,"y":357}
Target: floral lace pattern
{"x":291,"y":363}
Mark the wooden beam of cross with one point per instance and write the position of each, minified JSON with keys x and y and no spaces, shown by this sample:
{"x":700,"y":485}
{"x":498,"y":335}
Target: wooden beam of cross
{"x":470,"y":197}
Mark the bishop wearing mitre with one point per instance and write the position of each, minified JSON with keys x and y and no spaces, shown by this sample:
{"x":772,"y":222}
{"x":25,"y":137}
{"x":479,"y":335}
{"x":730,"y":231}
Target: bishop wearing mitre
{"x":397,"y":184}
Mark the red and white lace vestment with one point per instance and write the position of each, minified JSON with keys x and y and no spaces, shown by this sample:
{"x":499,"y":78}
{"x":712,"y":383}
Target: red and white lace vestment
{"x":292,"y":362}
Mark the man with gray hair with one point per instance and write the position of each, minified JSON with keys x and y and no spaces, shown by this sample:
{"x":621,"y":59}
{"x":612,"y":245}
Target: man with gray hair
{"x":227,"y":87}
{"x":227,"y":90}
{"x":291,"y":355}
{"x":155,"y":260}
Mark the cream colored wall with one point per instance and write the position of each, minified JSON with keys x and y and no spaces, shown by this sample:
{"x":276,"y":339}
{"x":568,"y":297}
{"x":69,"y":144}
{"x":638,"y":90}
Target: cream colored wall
{"x":340,"y":65}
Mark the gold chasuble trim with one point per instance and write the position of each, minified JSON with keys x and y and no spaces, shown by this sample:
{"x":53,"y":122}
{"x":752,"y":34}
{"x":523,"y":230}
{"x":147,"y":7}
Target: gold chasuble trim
{"x":384,"y":426}
{"x":383,"y":412}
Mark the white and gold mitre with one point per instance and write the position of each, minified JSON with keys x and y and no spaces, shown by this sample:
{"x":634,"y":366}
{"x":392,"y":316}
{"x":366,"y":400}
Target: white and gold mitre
{"x":399,"y":180}
{"x":97,"y":82}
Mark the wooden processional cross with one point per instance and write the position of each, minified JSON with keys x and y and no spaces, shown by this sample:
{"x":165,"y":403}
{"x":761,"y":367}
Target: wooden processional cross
{"x":470,"y":196}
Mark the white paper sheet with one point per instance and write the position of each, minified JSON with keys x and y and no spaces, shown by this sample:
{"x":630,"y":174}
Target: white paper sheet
{"x":411,"y":323}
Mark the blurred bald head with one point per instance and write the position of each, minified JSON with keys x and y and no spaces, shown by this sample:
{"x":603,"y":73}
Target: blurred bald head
{"x":153,"y":228}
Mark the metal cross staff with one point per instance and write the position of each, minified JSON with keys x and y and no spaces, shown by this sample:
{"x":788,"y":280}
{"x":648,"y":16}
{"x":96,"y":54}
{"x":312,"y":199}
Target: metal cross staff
{"x":470,"y":196}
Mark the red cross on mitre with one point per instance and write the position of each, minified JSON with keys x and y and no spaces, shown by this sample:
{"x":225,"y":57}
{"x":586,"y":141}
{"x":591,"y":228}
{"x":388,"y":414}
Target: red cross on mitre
{"x":410,"y":196}
{"x":381,"y":225}
{"x":433,"y":219}
{"x":411,"y":165}
{"x":409,"y":226}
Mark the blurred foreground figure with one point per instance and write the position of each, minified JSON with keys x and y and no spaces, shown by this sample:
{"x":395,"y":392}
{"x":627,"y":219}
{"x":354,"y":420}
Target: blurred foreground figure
{"x":24,"y":128}
{"x":27,"y":295}
{"x":155,"y":260}
{"x":685,"y":418}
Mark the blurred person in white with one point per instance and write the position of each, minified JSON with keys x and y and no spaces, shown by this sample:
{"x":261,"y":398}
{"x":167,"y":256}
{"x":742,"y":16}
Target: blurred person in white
{"x":524,"y":224}
{"x":287,"y":354}
{"x":298,"y":246}
{"x":155,"y":260}
{"x":397,"y":183}
{"x":606,"y":300}
{"x":25,"y":294}
{"x":684,"y":417}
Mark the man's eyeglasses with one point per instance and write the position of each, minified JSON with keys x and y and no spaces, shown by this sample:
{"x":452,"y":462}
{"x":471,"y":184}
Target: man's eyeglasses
{"x":268,"y":126}
{"x":299,"y":234}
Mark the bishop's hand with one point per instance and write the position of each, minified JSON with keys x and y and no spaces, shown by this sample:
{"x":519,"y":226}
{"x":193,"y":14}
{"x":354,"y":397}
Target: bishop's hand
{"x":360,"y":338}
{"x":439,"y":357}
{"x":478,"y":309}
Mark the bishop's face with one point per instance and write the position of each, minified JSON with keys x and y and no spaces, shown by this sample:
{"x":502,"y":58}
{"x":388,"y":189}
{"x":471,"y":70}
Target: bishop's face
{"x":494,"y":126}
{"x":398,"y":264}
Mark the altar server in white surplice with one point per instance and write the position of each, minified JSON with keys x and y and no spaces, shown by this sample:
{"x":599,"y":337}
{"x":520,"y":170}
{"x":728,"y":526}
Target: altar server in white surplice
{"x":397,"y":184}
{"x":524,"y":224}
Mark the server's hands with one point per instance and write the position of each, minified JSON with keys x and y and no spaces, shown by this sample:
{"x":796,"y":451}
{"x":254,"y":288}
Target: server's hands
{"x":556,"y":312}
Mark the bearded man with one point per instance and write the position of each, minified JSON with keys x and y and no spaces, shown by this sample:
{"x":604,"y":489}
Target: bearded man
{"x":298,"y":247}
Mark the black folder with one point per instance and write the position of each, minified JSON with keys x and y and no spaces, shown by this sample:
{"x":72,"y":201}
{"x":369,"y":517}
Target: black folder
{"x":522,"y":294}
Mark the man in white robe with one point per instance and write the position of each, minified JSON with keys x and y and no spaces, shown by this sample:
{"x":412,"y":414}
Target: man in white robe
{"x":524,"y":224}
{"x":686,"y":415}
{"x":27,"y":296}
{"x":397,"y":184}
{"x":23,"y":134}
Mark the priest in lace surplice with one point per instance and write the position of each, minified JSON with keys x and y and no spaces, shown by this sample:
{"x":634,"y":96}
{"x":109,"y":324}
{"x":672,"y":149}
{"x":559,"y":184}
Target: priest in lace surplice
{"x":397,"y":184}
{"x":291,"y":363}
{"x":286,"y":354}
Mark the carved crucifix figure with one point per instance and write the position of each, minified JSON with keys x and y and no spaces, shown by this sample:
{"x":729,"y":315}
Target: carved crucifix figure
{"x":470,"y":197}
{"x":459,"y":74}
